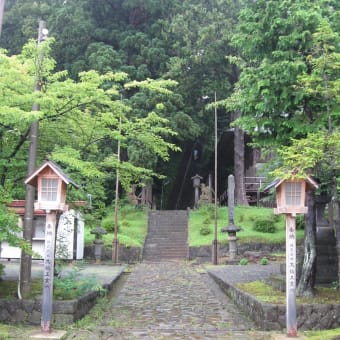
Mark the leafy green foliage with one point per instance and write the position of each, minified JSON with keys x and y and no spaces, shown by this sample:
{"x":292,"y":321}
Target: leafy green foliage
{"x":73,"y":284}
{"x":2,"y":270}
{"x":264,"y":225}
{"x":273,"y":40}
{"x":318,"y":153}
{"x":81,"y":123}
{"x":9,"y":228}
{"x":300,"y":222}
{"x":205,"y":230}
{"x":243,"y":262}
{"x":264,"y":261}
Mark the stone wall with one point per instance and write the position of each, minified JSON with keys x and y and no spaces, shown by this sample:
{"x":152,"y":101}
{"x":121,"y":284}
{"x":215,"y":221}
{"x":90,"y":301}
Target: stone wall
{"x":203,"y":253}
{"x":200,"y":254}
{"x":125,"y":254}
{"x":64,"y":312}
{"x":29,"y":311}
{"x":270,"y":317}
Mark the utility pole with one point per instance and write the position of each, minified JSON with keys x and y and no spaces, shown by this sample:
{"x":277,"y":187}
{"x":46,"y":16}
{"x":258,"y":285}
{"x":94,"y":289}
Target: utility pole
{"x":215,"y":244}
{"x":26,"y":259}
{"x":115,"y":237}
{"x":2,"y":6}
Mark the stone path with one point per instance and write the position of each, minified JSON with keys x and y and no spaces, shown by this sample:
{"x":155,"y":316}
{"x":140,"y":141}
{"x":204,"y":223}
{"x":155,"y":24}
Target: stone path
{"x":168,"y":300}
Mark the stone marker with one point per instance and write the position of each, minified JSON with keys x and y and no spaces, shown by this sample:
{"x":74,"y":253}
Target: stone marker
{"x":231,"y":229}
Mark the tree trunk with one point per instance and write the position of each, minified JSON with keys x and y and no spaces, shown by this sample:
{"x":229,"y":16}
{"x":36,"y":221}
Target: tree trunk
{"x":239,"y":170}
{"x":26,"y":259}
{"x":307,"y":279}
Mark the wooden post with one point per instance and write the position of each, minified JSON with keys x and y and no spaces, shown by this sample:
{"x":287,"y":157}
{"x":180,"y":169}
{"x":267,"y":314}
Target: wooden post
{"x":47,"y":297}
{"x":291,"y":323}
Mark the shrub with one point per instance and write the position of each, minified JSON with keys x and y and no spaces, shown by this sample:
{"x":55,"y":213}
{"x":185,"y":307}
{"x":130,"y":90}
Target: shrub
{"x":108,"y":224}
{"x":208,"y":210}
{"x":264,"y":225}
{"x":243,"y":262}
{"x":2,"y":270}
{"x":205,"y":230}
{"x":125,"y":224}
{"x":300,"y":222}
{"x":264,"y":261}
{"x":277,"y":218}
{"x":206,"y":221}
{"x":71,"y":285}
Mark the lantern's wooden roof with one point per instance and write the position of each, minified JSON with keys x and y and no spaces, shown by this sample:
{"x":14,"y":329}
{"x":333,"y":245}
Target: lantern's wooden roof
{"x":19,"y":207}
{"x":32,"y":179}
{"x":277,"y":182}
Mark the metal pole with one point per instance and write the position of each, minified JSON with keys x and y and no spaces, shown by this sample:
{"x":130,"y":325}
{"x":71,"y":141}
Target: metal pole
{"x":291,"y":323}
{"x":115,"y":237}
{"x":215,"y":196}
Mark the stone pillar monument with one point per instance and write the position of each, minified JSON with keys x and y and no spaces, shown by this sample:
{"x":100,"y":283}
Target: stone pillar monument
{"x":196,"y":184}
{"x":231,"y":229}
{"x":98,"y":243}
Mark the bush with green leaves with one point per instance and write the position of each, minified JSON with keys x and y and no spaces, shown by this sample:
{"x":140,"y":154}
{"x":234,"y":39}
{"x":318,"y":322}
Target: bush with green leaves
{"x":208,"y":211}
{"x":205,"y":230}
{"x":243,"y":262}
{"x":208,"y":214}
{"x":264,"y":261}
{"x":300,"y":222}
{"x":108,"y":224}
{"x":264,"y":225}
{"x":72,"y":285}
{"x":2,"y":270}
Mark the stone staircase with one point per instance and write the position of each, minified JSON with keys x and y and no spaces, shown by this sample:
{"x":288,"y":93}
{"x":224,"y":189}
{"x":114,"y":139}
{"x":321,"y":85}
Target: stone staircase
{"x":167,"y":237}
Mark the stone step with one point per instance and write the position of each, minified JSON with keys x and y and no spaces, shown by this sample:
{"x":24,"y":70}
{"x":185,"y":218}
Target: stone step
{"x":164,"y":254}
{"x":167,"y":235}
{"x":166,"y":225}
{"x":167,"y":230}
{"x":165,"y":245}
{"x":158,"y":248}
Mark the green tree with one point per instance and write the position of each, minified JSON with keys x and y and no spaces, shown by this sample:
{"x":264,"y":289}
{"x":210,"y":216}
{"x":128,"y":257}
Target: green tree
{"x":77,"y":119}
{"x":276,"y":42}
{"x":319,"y":152}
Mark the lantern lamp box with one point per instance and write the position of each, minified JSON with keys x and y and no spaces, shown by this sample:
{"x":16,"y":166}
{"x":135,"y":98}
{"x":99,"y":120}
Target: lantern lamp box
{"x":51,"y":183}
{"x":291,"y":195}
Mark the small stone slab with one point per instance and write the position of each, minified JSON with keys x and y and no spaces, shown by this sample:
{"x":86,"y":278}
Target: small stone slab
{"x":54,"y":334}
{"x":284,"y":336}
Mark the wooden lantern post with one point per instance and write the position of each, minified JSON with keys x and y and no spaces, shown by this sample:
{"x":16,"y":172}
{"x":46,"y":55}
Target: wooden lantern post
{"x":290,"y":200}
{"x":51,"y":185}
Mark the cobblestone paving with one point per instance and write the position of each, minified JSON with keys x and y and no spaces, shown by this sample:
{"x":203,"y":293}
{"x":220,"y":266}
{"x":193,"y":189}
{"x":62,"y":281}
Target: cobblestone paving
{"x":170,"y":300}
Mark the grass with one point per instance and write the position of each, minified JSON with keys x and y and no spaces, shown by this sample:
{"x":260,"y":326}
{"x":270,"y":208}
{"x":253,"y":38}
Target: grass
{"x":330,"y":334}
{"x":132,"y":223}
{"x":132,"y":227}
{"x":244,"y":218}
{"x":8,"y":289}
{"x":267,"y":294}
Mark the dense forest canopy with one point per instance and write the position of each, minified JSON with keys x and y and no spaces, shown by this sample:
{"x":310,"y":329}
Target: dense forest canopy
{"x":256,"y":56}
